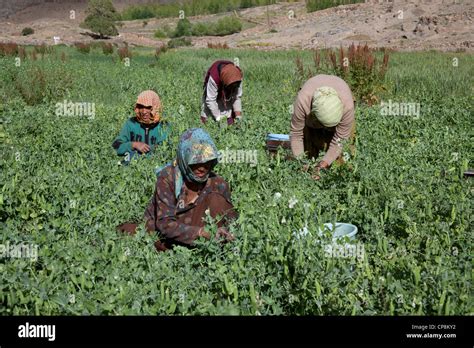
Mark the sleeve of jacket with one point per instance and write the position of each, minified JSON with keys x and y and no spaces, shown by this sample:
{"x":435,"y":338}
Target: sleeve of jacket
{"x":122,"y":143}
{"x":211,"y":98}
{"x":298,"y":121}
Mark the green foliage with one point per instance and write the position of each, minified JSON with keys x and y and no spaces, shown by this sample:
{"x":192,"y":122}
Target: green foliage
{"x":159,"y":33}
{"x":316,"y":5}
{"x":8,"y":49}
{"x":37,"y":83}
{"x":164,"y":32}
{"x":63,"y":191}
{"x":179,"y":42}
{"x":100,"y":18}
{"x":358,"y":66}
{"x":124,"y":52}
{"x":83,"y":47}
{"x":27,"y":31}
{"x":190,"y":8}
{"x":224,"y":26}
{"x":183,"y":28}
{"x":138,"y":12}
{"x":107,"y":48}
{"x":42,"y":49}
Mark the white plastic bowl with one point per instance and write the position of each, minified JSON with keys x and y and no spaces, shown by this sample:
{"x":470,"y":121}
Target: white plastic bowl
{"x":342,"y":230}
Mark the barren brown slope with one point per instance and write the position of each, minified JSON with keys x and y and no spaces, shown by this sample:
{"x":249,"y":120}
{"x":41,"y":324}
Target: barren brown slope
{"x":404,"y":25}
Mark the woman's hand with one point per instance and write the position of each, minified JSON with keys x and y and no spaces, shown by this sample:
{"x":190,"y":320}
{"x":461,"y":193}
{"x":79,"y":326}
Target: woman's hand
{"x":142,"y":147}
{"x":222,"y":233}
{"x":317,"y":169}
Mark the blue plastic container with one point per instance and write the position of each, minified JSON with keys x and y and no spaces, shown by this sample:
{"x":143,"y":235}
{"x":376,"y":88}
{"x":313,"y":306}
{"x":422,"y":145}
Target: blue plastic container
{"x":278,"y":137}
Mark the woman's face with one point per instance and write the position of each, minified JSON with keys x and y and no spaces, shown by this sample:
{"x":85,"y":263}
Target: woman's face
{"x":201,"y":169}
{"x":232,"y":89}
{"x":145,"y":112}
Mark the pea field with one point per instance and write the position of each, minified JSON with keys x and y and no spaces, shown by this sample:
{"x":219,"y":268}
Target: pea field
{"x":63,"y":192}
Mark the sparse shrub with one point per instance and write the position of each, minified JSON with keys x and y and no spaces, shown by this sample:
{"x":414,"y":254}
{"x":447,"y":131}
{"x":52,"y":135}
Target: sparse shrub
{"x":317,"y":5}
{"x":357,"y":66}
{"x":101,"y":18}
{"x":21,"y":52}
{"x":8,"y":49}
{"x":159,"y":33}
{"x":224,"y":26}
{"x":83,"y":47}
{"x":107,"y":48}
{"x":218,"y":46}
{"x":27,"y":31}
{"x":190,"y":7}
{"x":138,"y":12}
{"x":178,"y":42}
{"x":160,"y":50}
{"x":36,"y":83}
{"x":183,"y":28}
{"x":124,"y":52}
{"x":42,"y":49}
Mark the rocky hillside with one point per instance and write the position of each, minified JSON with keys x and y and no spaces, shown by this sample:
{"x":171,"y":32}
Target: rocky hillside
{"x":403,"y":25}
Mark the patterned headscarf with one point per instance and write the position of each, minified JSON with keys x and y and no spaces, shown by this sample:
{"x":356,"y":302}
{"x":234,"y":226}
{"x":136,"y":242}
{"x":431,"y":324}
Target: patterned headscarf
{"x":195,"y":146}
{"x":230,"y":74}
{"x":149,"y":98}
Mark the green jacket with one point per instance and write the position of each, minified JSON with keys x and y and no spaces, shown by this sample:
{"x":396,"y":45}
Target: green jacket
{"x":151,"y":134}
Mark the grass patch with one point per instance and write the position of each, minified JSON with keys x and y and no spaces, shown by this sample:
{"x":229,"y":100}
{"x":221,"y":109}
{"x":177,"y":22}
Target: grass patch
{"x":414,"y":219}
{"x":222,"y":27}
{"x":189,"y":8}
{"x":179,"y":42}
{"x":317,"y":5}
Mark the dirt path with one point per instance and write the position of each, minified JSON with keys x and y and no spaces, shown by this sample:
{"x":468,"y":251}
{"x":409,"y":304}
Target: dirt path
{"x":404,"y":25}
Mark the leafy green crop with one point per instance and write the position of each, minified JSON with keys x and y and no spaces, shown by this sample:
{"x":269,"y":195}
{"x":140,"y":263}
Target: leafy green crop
{"x":62,"y":190}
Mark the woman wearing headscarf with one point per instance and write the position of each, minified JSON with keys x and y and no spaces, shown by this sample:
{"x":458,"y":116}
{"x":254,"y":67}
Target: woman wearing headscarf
{"x":146,"y":130}
{"x":222,"y":92}
{"x":185,"y":191}
{"x":323,"y":118}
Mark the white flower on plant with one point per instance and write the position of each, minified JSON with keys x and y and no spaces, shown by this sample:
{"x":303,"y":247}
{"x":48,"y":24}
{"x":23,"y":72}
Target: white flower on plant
{"x":292,"y":202}
{"x":277,"y":196}
{"x":283,"y":221}
{"x":302,"y":232}
{"x":182,"y":297}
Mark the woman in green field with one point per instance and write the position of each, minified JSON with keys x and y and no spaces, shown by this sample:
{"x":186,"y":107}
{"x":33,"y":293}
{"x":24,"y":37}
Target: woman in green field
{"x":185,"y":190}
{"x":222,"y":92}
{"x":145,"y":131}
{"x":323,"y":117}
